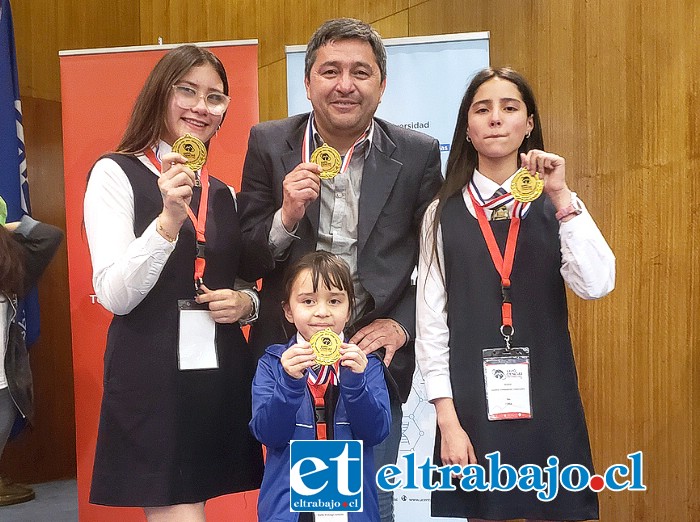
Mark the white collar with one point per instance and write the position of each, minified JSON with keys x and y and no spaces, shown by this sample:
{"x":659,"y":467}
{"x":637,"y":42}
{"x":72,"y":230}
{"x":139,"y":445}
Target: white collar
{"x":487,"y":187}
{"x":162,"y":149}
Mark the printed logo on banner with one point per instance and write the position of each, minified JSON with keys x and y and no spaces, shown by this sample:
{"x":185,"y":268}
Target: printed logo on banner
{"x":325,"y":475}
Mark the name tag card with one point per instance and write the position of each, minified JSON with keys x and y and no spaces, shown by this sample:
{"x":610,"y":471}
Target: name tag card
{"x":330,"y":517}
{"x":507,"y":382}
{"x":197,"y":337}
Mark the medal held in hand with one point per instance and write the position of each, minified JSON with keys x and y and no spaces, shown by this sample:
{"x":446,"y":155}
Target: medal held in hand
{"x":525,"y":186}
{"x":193,"y":150}
{"x":326,"y":346}
{"x":328,"y":159}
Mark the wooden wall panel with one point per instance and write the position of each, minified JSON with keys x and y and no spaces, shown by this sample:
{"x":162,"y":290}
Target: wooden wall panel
{"x":180,"y":21}
{"x":373,"y":11}
{"x":272,"y":90}
{"x":691,"y":186}
{"x":394,"y":26}
{"x":43,"y":27}
{"x":510,"y":23}
{"x":292,"y":24}
{"x":36,"y":42}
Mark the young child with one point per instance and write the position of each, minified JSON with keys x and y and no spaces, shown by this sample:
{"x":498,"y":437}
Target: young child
{"x":471,"y":307}
{"x":318,"y":295}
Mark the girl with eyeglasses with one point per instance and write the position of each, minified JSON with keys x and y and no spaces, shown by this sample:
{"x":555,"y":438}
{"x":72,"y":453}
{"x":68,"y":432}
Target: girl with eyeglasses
{"x":166,"y":252}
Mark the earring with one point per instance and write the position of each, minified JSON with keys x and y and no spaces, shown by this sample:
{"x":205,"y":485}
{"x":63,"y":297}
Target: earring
{"x":468,"y":139}
{"x":527,"y":135}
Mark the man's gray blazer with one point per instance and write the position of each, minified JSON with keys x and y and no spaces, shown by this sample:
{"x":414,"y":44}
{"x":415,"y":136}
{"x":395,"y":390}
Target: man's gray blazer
{"x":401,"y":176}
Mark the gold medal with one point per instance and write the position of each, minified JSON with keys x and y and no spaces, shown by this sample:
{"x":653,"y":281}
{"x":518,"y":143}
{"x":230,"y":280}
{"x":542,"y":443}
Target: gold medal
{"x":328,"y":159}
{"x":525,"y":187}
{"x":326,"y":346}
{"x":193,"y":150}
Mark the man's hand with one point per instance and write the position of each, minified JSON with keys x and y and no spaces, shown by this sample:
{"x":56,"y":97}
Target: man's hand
{"x":380,"y":333}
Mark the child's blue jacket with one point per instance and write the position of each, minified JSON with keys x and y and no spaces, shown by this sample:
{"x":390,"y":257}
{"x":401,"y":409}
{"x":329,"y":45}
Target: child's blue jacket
{"x":283,"y":411}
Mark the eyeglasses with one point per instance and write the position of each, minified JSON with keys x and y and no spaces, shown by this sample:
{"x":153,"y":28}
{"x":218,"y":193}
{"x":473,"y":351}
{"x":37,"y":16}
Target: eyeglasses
{"x":187,"y":98}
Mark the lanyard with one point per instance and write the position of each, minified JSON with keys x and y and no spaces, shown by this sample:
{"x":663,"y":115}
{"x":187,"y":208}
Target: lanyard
{"x":318,"y":386}
{"x":309,"y":139}
{"x":199,"y":221}
{"x":503,"y":263}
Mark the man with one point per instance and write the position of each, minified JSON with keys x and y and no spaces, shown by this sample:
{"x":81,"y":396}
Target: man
{"x":369,"y":214}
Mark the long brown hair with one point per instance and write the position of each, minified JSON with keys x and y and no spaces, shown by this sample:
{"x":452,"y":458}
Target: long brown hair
{"x":147,"y":122}
{"x":11,"y":264}
{"x":464,"y":158}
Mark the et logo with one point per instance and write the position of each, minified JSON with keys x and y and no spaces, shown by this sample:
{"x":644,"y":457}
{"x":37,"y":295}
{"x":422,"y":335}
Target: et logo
{"x":325,"y":475}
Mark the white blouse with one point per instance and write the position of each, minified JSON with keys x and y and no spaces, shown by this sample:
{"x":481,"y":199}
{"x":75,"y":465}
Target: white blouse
{"x":124,"y":267}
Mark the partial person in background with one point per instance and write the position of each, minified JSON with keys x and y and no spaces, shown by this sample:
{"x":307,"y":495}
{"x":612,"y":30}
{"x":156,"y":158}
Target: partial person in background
{"x":166,"y":251}
{"x":26,"y":248}
{"x":491,"y":307}
{"x":368,"y":214}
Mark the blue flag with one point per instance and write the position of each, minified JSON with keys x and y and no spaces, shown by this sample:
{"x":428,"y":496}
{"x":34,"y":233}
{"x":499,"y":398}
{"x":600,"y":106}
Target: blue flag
{"x":13,"y":169}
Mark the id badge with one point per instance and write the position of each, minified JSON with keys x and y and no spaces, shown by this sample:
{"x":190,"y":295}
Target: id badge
{"x":196,"y":348}
{"x":330,"y":517}
{"x":507,"y":381}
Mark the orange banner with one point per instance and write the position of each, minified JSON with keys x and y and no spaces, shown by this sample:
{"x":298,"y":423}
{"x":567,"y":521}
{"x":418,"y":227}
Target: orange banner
{"x":98,"y":89}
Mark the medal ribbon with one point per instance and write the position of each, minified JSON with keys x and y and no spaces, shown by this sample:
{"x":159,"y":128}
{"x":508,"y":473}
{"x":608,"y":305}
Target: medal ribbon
{"x":324,"y":374}
{"x":309,"y":139}
{"x":503,"y":263}
{"x":318,"y":385}
{"x":520,"y":210}
{"x":199,"y":221}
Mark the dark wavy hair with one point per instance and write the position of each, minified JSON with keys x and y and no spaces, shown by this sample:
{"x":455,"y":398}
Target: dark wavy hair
{"x":11,"y":264}
{"x":147,"y":122}
{"x":464,"y":158}
{"x":324,"y":266}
